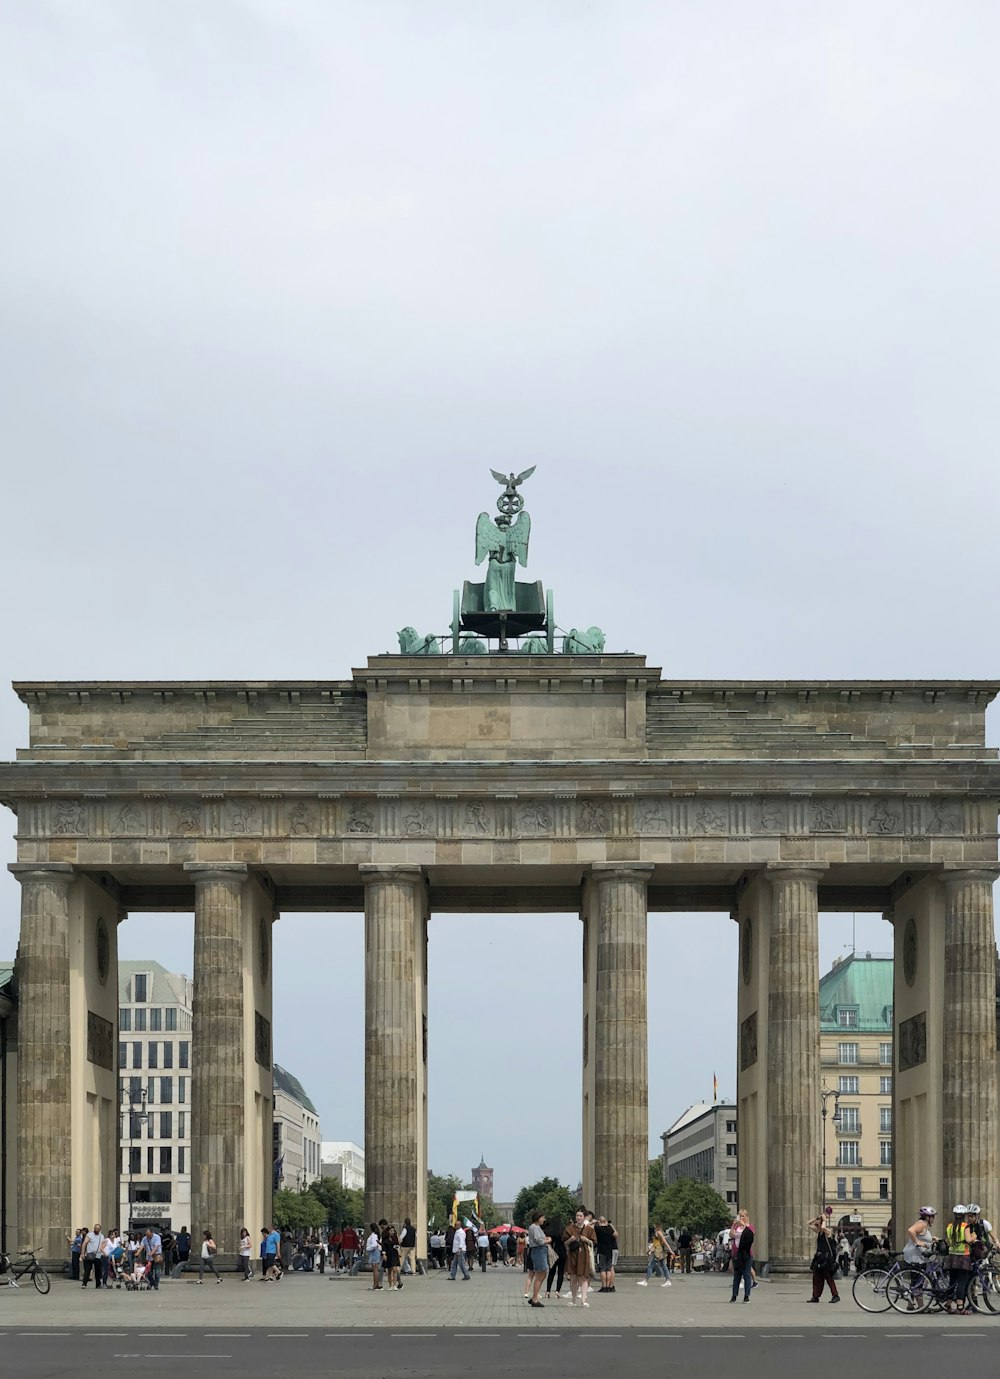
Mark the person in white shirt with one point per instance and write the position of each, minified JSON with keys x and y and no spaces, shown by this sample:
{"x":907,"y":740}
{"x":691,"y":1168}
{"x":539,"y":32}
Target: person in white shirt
{"x":93,"y":1256}
{"x":373,"y":1253}
{"x":458,"y":1255}
{"x":246,"y":1249}
{"x":483,"y":1246}
{"x":207,"y":1261}
{"x":152,"y":1247}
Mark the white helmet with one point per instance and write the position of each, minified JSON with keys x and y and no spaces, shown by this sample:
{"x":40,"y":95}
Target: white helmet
{"x":959,"y":1210}
{"x":926,"y":1212}
{"x":973,"y":1209}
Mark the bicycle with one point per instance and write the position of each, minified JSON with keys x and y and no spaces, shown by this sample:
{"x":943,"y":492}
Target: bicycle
{"x":870,"y":1287}
{"x":919,"y":1289}
{"x":26,"y":1263}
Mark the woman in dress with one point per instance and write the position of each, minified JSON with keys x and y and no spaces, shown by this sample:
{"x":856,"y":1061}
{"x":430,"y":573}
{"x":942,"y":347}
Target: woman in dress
{"x":390,"y":1252}
{"x":579,"y":1239}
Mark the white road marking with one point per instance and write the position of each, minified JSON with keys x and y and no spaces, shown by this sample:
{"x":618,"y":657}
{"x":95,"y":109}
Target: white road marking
{"x":170,"y":1355}
{"x":227,"y":1335}
{"x":414,"y":1335}
{"x":343,"y":1335}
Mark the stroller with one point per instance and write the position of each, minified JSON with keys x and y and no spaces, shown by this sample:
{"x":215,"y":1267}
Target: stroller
{"x":136,"y":1281}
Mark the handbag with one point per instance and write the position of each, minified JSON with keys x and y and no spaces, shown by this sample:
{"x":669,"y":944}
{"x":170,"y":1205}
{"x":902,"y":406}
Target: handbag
{"x":553,"y":1257}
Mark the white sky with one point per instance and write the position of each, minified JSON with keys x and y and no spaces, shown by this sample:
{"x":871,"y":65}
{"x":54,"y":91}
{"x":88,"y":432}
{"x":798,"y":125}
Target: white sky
{"x":282,"y":280}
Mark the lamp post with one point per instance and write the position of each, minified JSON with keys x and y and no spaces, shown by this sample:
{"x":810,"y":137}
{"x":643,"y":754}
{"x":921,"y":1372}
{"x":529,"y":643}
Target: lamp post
{"x":140,"y":1115}
{"x":826,"y":1093}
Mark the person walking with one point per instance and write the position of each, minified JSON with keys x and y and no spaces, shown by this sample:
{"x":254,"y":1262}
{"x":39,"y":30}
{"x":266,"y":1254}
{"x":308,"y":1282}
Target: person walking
{"x":742,"y":1258}
{"x":269,"y":1254}
{"x":482,"y":1247}
{"x":152,"y":1248}
{"x":91,"y":1253}
{"x":207,"y":1261}
{"x":658,"y":1251}
{"x":824,"y":1261}
{"x":579,"y":1238}
{"x":373,"y":1253}
{"x":538,"y":1244}
{"x":458,"y":1254}
{"x":390,"y":1253}
{"x":245,"y":1250}
{"x":557,"y":1269}
{"x":511,"y":1259}
{"x":408,"y":1248}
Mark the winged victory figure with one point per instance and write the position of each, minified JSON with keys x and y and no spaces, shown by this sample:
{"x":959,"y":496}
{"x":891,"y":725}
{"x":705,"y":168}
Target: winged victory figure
{"x":505,"y":543}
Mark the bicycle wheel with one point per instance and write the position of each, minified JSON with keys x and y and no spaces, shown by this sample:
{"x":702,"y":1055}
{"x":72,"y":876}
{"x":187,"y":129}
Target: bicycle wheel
{"x":41,"y":1280}
{"x":869,"y":1292}
{"x":908,"y":1291}
{"x":987,"y":1284}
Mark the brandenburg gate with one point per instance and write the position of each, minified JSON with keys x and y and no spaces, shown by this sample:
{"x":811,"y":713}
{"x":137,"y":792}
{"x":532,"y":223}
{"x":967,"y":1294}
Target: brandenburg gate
{"x":455,"y":778}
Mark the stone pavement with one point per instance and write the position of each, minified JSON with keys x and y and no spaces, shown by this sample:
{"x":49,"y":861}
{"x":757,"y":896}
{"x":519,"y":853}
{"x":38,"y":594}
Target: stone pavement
{"x":490,"y":1301}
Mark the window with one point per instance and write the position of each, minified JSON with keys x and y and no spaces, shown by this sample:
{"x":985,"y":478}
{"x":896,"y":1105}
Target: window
{"x":166,"y":1159}
{"x":140,"y":1020}
{"x":124,"y":1019}
{"x":137,"y":1055}
{"x":151,"y":1192}
{"x":155,"y":1017}
{"x":883,"y":1189}
{"x":182,"y":1159}
{"x":152,"y":1054}
{"x":885,"y":1152}
{"x":730,"y":1151}
{"x":730,"y":1127}
{"x":181,"y":1125}
{"x":171,"y":1018}
{"x":149,"y":1161}
{"x":847,"y":1019}
{"x":135,"y":1124}
{"x":134,"y":1090}
{"x":848,"y":1086}
{"x":885,"y":1086}
{"x":885,"y":1120}
{"x":730,"y":1196}
{"x":849,"y":1153}
{"x":847,"y":1053}
{"x":140,"y":986}
{"x":850,"y":1120}
{"x":122,"y":1054}
{"x":856,"y":1189}
{"x":841,"y":1189}
{"x":135,"y":1160}
{"x":166,"y":1125}
{"x":168,"y":1055}
{"x":182,"y":1083}
{"x":183,"y":1053}
{"x":166,"y":1090}
{"x":885,"y":1052}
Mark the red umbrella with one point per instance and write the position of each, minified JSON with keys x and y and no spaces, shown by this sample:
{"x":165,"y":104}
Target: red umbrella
{"x":511,"y":1230}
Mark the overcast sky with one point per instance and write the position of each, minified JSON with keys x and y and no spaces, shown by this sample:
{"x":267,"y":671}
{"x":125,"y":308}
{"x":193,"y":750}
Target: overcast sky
{"x":282,"y":280}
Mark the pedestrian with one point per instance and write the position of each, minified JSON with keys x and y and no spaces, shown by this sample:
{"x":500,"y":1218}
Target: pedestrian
{"x":408,"y":1247}
{"x":349,"y":1245}
{"x":321,"y":1251}
{"x":373,"y":1253}
{"x":91,"y":1255}
{"x":482,"y":1246}
{"x":607,"y":1239}
{"x":152,"y":1248}
{"x":538,"y":1245}
{"x":743,"y":1234}
{"x":579,"y":1237}
{"x":207,"y":1261}
{"x":557,"y":1257}
{"x":245,"y":1249}
{"x":824,"y":1260}
{"x":658,"y":1250}
{"x":75,"y":1243}
{"x":269,"y":1255}
{"x":960,"y":1237}
{"x":511,"y":1249}
{"x":684,"y":1246}
{"x":844,"y":1255}
{"x":458,"y":1254}
{"x":390,"y":1253}
{"x":286,"y":1249}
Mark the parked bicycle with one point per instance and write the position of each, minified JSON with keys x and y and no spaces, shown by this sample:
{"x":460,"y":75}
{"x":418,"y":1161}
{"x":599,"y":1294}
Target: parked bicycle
{"x":906,"y":1288}
{"x":11,"y":1271}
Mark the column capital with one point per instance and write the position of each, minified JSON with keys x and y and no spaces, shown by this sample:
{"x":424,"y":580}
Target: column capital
{"x":231,"y":873}
{"x":961,"y":873}
{"x":408,"y":874}
{"x":790,"y":871}
{"x":621,"y":871}
{"x":50,"y":872}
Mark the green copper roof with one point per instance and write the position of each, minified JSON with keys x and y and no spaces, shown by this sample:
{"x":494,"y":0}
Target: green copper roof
{"x":291,"y":1086}
{"x":862,"y":983}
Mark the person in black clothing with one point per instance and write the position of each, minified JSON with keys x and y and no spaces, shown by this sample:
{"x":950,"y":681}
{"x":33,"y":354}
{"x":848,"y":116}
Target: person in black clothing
{"x":558,"y":1269}
{"x":824,"y":1261}
{"x":743,"y":1264}
{"x":684,"y":1243}
{"x":408,"y":1247}
{"x":607,"y":1241}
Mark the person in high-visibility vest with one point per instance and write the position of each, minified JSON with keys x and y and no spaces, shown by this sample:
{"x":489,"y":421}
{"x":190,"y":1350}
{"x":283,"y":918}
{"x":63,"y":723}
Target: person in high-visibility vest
{"x":960,"y":1236}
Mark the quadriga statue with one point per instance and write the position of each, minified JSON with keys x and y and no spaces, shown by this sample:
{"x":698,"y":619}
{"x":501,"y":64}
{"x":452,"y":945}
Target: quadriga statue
{"x":589,"y":643}
{"x":412,"y":644}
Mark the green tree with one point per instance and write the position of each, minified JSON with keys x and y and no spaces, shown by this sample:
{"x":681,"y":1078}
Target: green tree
{"x":343,"y":1206}
{"x":656,"y":1183}
{"x":557,"y":1202}
{"x":691,"y":1204}
{"x":530,"y":1198}
{"x":299,"y":1211}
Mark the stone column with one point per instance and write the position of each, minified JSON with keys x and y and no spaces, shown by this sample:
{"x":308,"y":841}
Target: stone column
{"x":793,"y":1064}
{"x":395,"y":1048}
{"x":218,"y":1055}
{"x":620,"y":1116}
{"x":969,"y":1079}
{"x":44,"y":1065}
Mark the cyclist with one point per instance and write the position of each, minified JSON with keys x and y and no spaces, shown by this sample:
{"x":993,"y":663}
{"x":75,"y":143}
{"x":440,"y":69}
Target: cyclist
{"x":920,"y":1238}
{"x":960,"y":1237}
{"x":982,"y":1227}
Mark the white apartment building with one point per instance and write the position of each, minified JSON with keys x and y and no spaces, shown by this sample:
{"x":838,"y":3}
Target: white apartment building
{"x":701,"y":1144}
{"x":154,"y":1069}
{"x":344,"y":1161}
{"x":296,"y":1134}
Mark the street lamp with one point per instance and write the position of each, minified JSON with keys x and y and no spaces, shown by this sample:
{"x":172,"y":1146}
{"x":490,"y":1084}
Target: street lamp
{"x":826,"y":1093}
{"x":134,"y":1115}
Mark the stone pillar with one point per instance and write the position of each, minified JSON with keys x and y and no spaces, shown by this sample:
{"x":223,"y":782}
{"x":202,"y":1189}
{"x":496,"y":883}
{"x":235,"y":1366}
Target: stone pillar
{"x":618,"y":1158}
{"x":395,"y":1046}
{"x":793,"y":1064}
{"x":44,"y":1064}
{"x":969,"y":1077}
{"x":218,"y":1054}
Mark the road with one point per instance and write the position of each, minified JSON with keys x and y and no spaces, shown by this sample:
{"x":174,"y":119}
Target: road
{"x":439,"y":1353}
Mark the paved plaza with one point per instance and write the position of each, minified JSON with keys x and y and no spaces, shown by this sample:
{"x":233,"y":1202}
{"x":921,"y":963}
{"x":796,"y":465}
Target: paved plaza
{"x":488,"y":1302}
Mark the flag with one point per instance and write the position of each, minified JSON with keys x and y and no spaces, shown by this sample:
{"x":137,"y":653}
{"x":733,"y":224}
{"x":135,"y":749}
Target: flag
{"x":715,"y":1089}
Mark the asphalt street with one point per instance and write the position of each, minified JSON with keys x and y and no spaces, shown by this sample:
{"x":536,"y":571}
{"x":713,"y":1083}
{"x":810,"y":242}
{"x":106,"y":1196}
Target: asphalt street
{"x":920,"y":1353}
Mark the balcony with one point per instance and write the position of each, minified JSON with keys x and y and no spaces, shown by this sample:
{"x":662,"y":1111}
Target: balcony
{"x":857,"y":1163}
{"x":850,"y":1130}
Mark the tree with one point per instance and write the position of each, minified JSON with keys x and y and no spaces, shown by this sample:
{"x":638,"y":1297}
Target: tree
{"x":299,"y":1211}
{"x":440,"y":1192}
{"x":344,"y":1206}
{"x":656,"y":1183}
{"x":691,"y":1204}
{"x":529,"y":1199}
{"x":560,"y":1202}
